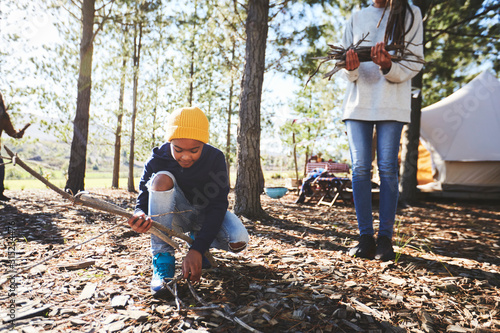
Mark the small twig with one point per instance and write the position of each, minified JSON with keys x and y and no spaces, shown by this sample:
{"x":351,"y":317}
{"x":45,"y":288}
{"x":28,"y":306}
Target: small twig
{"x":205,"y":308}
{"x":178,"y":301}
{"x":173,"y":291}
{"x":228,"y":316}
{"x":195,"y":295}
{"x":373,"y":312}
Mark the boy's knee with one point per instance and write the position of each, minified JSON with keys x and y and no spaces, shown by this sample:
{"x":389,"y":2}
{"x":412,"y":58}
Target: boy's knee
{"x":162,"y":182}
{"x":237,"y":247}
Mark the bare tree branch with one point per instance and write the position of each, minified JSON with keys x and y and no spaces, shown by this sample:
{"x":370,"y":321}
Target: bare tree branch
{"x":455,"y":33}
{"x":237,"y":12}
{"x":105,"y":18}
{"x":282,"y":5}
{"x":466,"y":20}
{"x":78,"y":18}
{"x":104,"y":5}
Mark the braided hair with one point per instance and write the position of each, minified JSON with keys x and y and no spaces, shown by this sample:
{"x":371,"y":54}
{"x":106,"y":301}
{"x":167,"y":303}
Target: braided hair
{"x":395,"y":31}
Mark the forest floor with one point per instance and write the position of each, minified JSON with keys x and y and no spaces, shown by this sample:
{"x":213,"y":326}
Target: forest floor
{"x":295,"y":275}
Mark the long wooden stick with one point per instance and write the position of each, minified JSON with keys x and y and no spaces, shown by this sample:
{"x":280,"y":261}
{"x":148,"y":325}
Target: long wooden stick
{"x":88,"y":201}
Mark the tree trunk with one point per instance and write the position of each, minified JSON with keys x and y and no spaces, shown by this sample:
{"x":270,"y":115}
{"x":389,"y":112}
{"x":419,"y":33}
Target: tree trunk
{"x":411,"y":134}
{"x":307,"y":154}
{"x":137,"y":57}
{"x":228,"y":135}
{"x":78,"y":157}
{"x":155,"y":109}
{"x":191,"y":75}
{"x":249,"y":174}
{"x":118,"y":132}
{"x":409,"y":151}
{"x":229,"y":113}
{"x":295,"y":157}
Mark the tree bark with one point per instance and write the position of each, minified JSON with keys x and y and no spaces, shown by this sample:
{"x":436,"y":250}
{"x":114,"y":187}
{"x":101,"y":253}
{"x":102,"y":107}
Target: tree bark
{"x":249,"y":173}
{"x":229,"y":113}
{"x":78,"y":156}
{"x":228,"y":135}
{"x":295,"y":157}
{"x":411,"y":134}
{"x":191,"y":77}
{"x":137,"y":58}
{"x":118,"y":132}
{"x":409,"y":151}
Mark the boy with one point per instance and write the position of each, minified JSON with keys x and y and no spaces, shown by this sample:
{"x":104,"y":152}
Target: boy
{"x":189,"y":176}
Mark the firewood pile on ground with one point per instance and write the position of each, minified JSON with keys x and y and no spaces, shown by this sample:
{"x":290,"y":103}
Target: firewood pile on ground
{"x":295,"y":275}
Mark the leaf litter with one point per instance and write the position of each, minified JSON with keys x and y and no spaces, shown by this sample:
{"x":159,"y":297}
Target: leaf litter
{"x":295,"y":275}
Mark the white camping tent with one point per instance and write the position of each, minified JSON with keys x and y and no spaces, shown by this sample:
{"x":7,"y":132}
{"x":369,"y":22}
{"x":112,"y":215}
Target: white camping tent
{"x":462,"y":134}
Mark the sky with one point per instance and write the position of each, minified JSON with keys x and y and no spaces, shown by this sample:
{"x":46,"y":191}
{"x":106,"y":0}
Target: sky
{"x":33,"y":27}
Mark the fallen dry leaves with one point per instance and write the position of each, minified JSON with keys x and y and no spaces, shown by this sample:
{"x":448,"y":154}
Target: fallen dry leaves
{"x":295,"y":275}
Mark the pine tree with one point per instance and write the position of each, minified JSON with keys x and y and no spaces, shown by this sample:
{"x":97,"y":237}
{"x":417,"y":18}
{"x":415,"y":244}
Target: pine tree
{"x":250,"y":179}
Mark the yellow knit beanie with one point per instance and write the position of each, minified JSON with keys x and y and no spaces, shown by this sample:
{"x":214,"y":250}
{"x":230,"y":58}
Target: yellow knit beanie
{"x":187,"y":123}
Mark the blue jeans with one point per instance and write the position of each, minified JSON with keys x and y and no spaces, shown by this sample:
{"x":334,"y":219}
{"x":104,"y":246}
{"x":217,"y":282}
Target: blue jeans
{"x":360,"y":135}
{"x":187,"y":219}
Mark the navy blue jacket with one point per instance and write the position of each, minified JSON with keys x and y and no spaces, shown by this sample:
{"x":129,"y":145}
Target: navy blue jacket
{"x":205,"y":184}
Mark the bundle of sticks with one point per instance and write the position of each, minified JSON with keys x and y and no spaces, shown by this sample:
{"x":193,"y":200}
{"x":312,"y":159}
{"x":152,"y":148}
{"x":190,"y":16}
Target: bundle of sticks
{"x":338,"y":54}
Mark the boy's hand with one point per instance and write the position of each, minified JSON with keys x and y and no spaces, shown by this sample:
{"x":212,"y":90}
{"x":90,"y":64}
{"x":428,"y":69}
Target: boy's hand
{"x":140,"y":223}
{"x":191,"y":266}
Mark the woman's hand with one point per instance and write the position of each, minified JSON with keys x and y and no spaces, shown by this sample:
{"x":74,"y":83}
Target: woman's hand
{"x":381,"y":57}
{"x":351,"y":60}
{"x":140,"y":223}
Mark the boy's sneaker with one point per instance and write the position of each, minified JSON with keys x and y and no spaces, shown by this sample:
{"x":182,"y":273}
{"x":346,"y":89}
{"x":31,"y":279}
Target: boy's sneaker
{"x":163,"y":268}
{"x":365,"y":248}
{"x":384,"y":252}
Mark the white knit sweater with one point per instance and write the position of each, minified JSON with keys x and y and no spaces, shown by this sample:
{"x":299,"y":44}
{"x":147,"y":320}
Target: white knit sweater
{"x":370,"y":94}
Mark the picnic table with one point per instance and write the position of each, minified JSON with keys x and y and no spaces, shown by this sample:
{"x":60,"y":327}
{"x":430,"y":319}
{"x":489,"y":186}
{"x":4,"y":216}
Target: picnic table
{"x":329,"y":187}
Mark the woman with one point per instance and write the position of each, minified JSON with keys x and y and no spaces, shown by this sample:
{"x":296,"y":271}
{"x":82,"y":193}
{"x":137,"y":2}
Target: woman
{"x":379,"y":96}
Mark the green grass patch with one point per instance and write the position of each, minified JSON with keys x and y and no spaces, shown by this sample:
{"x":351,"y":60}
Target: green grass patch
{"x":18,"y":179}
{"x":27,"y":184}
